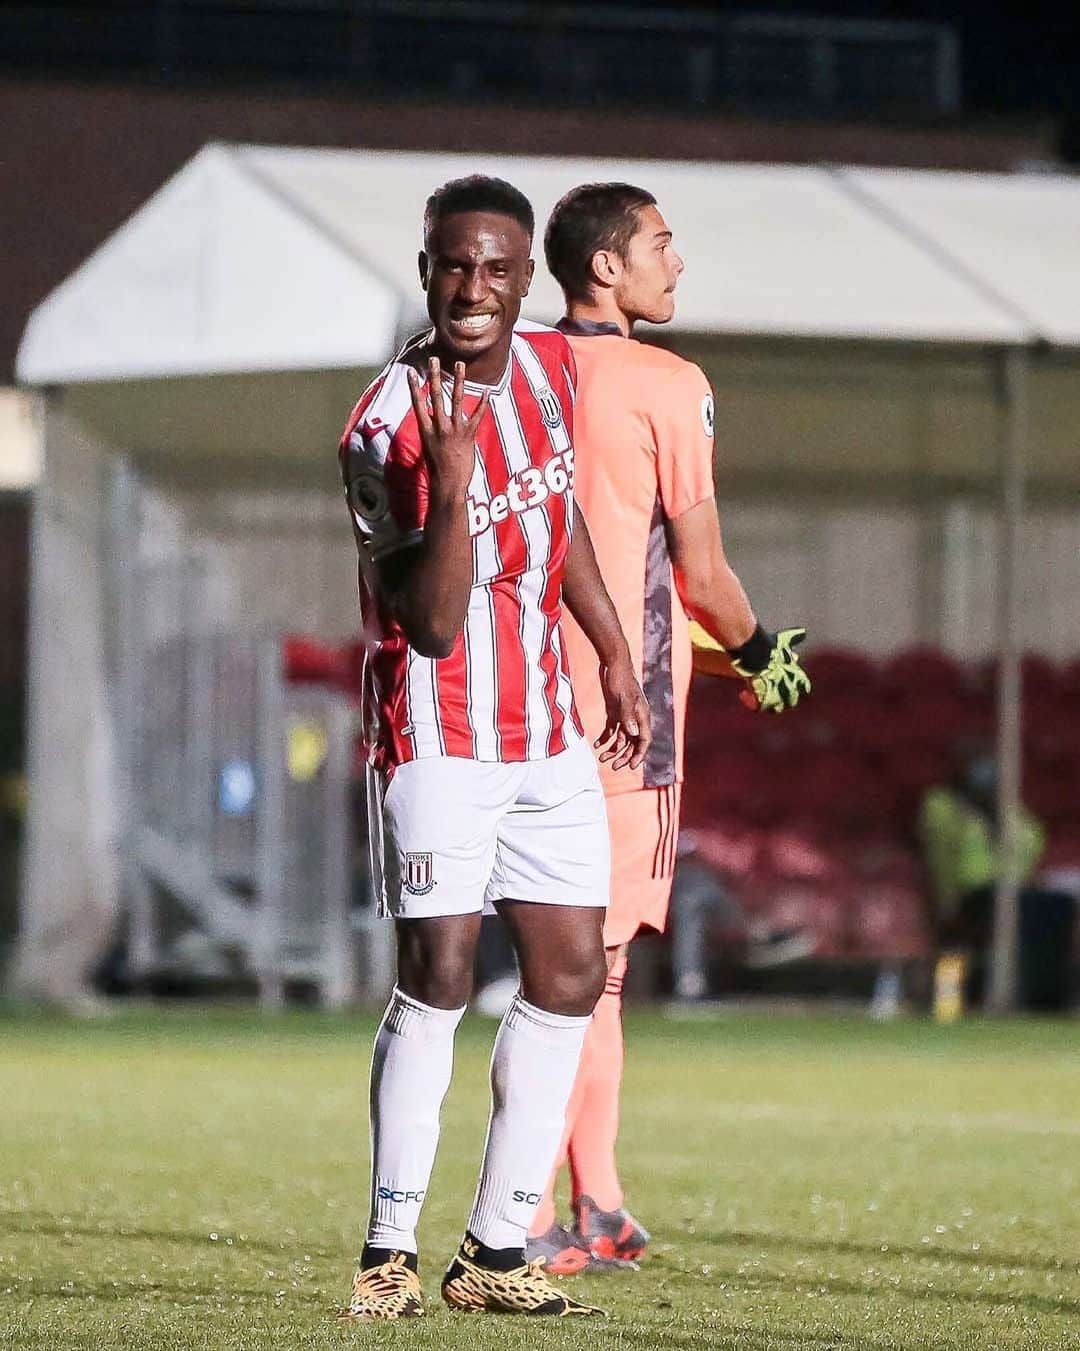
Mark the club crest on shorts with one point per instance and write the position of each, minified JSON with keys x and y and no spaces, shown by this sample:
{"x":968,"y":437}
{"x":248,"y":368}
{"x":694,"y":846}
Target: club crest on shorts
{"x":418,"y":879}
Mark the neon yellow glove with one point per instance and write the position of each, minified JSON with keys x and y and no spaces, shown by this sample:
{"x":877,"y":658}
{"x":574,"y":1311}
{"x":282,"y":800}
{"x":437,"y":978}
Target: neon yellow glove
{"x":777,"y":681}
{"x":709,"y":656}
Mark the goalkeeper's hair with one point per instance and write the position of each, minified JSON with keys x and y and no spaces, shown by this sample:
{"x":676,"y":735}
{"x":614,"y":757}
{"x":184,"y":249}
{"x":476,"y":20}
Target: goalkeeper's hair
{"x":589,"y":218}
{"x":478,"y":192}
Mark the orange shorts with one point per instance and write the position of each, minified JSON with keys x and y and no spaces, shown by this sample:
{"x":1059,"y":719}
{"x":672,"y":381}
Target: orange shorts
{"x":644,"y":827}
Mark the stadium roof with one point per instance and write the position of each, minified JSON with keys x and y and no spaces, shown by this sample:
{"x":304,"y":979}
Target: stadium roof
{"x":271,"y":259}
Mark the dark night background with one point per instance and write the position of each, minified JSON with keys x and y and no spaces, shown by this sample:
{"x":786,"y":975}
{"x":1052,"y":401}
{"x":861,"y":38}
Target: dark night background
{"x":1014,"y":58}
{"x":101,"y":100}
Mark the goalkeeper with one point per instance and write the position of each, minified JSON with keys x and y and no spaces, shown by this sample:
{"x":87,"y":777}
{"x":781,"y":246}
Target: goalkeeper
{"x":644,"y":464}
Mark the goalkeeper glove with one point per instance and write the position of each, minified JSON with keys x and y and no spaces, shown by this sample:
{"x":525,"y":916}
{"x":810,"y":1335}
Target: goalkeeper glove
{"x":770,"y":666}
{"x":709,"y":656}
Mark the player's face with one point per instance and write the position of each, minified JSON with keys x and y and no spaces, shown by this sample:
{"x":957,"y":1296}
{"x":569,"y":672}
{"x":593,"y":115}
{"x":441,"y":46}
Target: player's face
{"x":476,"y":271}
{"x":646,"y":287}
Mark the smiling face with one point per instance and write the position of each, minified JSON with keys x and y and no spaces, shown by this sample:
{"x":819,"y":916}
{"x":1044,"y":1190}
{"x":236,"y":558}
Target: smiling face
{"x":644,"y":287}
{"x":476,"y":271}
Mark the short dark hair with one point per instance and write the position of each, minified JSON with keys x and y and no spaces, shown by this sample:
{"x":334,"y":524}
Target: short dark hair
{"x":477,"y":192}
{"x":592,"y":217}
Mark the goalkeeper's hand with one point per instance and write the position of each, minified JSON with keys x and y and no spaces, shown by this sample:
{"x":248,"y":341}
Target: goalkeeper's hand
{"x":776,"y":680}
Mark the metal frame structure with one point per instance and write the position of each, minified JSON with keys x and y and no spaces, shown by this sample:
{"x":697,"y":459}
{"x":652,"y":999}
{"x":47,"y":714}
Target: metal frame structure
{"x":268,"y":874}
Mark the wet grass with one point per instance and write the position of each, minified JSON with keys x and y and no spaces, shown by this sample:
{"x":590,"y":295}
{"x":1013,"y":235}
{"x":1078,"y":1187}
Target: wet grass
{"x":197,"y":1180}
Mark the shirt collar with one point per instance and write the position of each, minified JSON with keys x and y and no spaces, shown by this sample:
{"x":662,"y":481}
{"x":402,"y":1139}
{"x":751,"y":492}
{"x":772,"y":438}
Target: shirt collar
{"x":589,"y":328}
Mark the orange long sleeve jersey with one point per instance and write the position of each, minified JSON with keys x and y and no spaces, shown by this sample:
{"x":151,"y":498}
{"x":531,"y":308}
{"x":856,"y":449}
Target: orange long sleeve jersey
{"x":644,"y":455}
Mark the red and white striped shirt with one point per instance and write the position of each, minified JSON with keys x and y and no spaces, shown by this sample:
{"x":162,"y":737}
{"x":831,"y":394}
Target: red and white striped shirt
{"x":503,"y":693}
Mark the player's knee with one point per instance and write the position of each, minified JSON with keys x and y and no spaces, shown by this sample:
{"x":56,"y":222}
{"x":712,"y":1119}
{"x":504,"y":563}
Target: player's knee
{"x":577,"y":983}
{"x":440,"y":975}
{"x":441,"y":988}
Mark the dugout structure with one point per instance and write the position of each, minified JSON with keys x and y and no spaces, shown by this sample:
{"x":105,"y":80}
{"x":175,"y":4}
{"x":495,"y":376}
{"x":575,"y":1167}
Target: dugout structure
{"x":898,"y":418}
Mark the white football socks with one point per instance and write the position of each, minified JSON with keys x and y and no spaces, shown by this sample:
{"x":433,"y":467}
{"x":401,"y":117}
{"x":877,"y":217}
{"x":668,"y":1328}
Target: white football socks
{"x":411,"y":1066}
{"x":533,"y":1067}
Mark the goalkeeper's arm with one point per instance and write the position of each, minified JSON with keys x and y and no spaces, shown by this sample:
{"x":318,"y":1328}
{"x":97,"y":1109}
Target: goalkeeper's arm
{"x":708,"y":588}
{"x":730,"y":641}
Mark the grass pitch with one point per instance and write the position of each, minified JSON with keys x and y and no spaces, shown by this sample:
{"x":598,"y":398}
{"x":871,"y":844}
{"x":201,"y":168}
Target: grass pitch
{"x":197,"y":1180}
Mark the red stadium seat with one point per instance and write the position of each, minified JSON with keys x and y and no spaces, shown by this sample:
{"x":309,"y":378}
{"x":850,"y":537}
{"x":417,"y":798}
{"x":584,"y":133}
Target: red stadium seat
{"x":726,"y":844}
{"x":734,"y":783}
{"x":351,"y":659}
{"x":911,"y":771}
{"x":1062,"y":851}
{"x":944,"y":720}
{"x":714,"y":725}
{"x":884,"y":855}
{"x":841,"y":672}
{"x":798,"y":852}
{"x":927,"y":669}
{"x":307,"y":661}
{"x":857,"y":723}
{"x":1069,"y":680}
{"x":818,"y":908}
{"x":1055,"y":796}
{"x":834,"y":787}
{"x":889,"y":920}
{"x":1040,"y":677}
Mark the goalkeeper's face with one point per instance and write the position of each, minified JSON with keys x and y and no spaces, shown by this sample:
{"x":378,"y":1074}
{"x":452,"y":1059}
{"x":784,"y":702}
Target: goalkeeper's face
{"x":645,"y":288}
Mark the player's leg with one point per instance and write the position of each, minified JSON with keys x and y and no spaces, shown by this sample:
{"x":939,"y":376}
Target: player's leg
{"x":533,"y":1066}
{"x":591,"y":1145}
{"x":411,"y":1066}
{"x":439,"y":859}
{"x":550,"y":885}
{"x":644,"y":827}
{"x":534,"y":1063}
{"x":599,"y":1072}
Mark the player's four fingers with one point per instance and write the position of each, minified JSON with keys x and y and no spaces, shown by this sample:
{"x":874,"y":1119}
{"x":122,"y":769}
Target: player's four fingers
{"x":624,"y":749}
{"x":458,"y":393}
{"x":638,"y":745}
{"x":435,"y":381}
{"x":635,"y":735}
{"x":643,"y":713}
{"x":605,"y":736}
{"x":643,"y":736}
{"x":611,"y":742}
{"x":419,"y":401}
{"x":628,"y":755}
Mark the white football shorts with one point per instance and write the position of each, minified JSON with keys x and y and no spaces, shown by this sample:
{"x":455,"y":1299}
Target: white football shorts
{"x":458,"y":835}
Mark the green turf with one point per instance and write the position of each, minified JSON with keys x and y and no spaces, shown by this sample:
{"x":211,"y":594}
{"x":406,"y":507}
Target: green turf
{"x":197,"y":1181}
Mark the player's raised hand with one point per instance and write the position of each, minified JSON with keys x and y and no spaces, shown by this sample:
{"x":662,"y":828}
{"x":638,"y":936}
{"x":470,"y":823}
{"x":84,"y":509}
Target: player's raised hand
{"x":628,"y":730}
{"x":448,"y":436}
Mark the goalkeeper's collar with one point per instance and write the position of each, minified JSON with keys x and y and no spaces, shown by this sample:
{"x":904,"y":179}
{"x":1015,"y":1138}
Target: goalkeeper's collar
{"x":589,"y":328}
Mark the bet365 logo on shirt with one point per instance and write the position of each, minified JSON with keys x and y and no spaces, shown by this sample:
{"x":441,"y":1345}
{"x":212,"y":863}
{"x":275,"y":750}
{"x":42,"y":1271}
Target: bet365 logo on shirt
{"x":527,"y":489}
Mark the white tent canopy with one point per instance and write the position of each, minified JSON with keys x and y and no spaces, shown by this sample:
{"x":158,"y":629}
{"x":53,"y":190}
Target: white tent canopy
{"x":260,"y":259}
{"x":1015,"y":237}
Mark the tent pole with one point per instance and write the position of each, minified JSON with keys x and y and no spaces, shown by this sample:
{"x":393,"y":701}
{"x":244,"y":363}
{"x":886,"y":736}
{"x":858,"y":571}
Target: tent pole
{"x":1013,"y":395}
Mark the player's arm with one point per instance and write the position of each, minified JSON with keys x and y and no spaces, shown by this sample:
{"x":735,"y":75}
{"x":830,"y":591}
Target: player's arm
{"x":427,"y":585}
{"x":730,"y":640}
{"x":708,"y":587}
{"x":727,"y":636}
{"x":627,"y":734}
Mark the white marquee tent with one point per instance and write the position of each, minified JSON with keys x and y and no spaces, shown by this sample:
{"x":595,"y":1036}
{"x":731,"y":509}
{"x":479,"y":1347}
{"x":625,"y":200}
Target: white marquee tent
{"x":225,"y":328}
{"x":261,"y":259}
